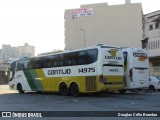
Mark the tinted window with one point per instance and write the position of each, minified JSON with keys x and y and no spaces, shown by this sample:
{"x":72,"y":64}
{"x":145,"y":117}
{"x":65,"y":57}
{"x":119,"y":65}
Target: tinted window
{"x":37,"y":63}
{"x":71,"y":59}
{"x":47,"y":62}
{"x":67,"y":59}
{"x":13,"y":66}
{"x":87,"y":56}
{"x":82,"y":58}
{"x":23,"y":64}
{"x":58,"y":60}
{"x":91,"y":56}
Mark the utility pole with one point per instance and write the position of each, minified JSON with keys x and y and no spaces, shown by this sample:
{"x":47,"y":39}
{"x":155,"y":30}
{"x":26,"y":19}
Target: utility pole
{"x":84,"y":36}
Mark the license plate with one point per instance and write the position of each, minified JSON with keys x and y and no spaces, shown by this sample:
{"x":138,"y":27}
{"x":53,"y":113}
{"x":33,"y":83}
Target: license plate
{"x":141,"y":71}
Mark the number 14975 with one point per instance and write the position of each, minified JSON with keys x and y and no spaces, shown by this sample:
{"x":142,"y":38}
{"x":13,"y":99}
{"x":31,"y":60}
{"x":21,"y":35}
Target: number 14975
{"x":86,"y":70}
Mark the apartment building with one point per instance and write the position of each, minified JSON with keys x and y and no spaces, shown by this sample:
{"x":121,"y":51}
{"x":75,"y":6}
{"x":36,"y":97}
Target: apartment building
{"x":8,"y":52}
{"x":151,"y":40}
{"x":26,"y":50}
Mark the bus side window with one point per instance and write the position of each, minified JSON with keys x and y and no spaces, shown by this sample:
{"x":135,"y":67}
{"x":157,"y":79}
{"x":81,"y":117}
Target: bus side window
{"x":38,"y":63}
{"x":26,"y":63}
{"x":58,"y":60}
{"x":92,"y":56}
{"x":70,"y":59}
{"x":20,"y":65}
{"x":46,"y":62}
{"x":87,"y":56}
{"x":82,"y":58}
{"x":30,"y":64}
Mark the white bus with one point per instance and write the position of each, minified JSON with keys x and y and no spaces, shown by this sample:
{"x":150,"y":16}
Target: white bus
{"x":89,"y":70}
{"x":136,"y":68}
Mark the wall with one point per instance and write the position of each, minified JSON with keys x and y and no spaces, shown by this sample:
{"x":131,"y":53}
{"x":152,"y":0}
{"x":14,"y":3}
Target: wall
{"x":118,"y":25}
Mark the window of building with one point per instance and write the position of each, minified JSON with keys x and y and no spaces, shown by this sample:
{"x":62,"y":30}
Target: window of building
{"x":148,"y":45}
{"x":150,"y":27}
{"x":156,"y":70}
{"x":155,"y":44}
{"x":152,"y":45}
{"x":156,"y":25}
{"x":156,"y":64}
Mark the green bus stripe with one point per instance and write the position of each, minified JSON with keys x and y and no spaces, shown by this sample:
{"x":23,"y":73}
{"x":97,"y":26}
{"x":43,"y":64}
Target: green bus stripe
{"x":30,"y":79}
{"x":36,"y":80}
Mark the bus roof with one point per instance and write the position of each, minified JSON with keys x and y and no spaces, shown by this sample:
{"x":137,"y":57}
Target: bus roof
{"x":132,"y":48}
{"x":68,"y":51}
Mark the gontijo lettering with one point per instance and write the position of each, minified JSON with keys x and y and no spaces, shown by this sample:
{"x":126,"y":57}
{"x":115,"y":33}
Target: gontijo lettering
{"x":59,"y":72}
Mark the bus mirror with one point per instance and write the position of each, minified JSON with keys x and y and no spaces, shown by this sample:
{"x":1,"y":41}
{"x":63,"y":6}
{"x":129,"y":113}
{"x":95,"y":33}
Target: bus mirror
{"x":6,"y":73}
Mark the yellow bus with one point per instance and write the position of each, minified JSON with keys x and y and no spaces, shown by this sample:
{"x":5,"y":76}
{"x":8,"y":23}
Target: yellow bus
{"x":88,"y":70}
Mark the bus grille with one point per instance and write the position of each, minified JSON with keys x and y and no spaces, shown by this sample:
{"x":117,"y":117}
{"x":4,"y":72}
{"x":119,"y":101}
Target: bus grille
{"x":90,"y":83}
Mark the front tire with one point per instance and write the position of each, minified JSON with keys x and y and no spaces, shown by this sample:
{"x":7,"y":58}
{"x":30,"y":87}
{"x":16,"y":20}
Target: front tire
{"x":19,"y":88}
{"x":74,"y":89}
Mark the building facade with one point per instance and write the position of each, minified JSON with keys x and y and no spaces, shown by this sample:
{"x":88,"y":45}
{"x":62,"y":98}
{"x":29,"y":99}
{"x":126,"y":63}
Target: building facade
{"x":26,"y":50}
{"x":116,"y":25}
{"x":8,"y":52}
{"x":151,"y":40}
{"x":4,"y":73}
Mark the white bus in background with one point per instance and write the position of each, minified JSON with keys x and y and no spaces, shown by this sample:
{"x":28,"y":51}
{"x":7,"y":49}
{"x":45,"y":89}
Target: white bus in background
{"x":136,"y":69}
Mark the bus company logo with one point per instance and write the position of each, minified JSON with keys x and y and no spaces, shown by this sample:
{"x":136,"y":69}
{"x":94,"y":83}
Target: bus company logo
{"x":141,"y":56}
{"x":113,"y":52}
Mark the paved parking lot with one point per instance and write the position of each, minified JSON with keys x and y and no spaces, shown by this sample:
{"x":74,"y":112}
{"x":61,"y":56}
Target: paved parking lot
{"x":32,"y":101}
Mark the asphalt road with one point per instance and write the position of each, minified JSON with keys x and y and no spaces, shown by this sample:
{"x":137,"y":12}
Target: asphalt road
{"x":32,"y":101}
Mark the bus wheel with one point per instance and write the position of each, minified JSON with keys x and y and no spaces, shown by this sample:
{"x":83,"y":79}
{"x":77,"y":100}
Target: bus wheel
{"x":151,"y":87}
{"x":19,"y":88}
{"x":74,"y":89}
{"x":63,"y":89}
{"x":122,"y":91}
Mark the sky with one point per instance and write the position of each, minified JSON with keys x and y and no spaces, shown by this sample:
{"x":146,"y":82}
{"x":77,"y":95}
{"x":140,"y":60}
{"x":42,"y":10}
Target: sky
{"x":41,"y":22}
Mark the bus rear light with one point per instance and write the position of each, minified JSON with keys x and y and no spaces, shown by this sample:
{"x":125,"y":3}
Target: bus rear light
{"x":159,"y":83}
{"x":101,"y":78}
{"x":130,"y":72}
